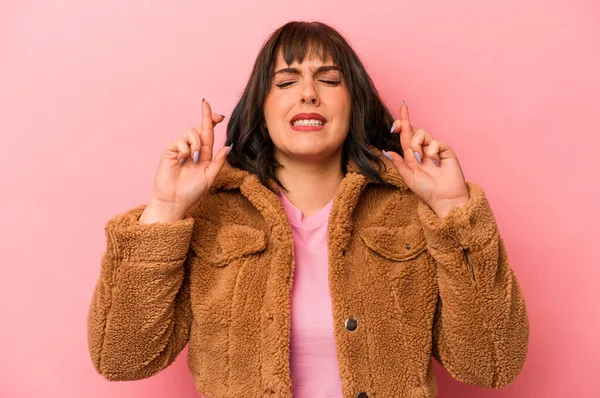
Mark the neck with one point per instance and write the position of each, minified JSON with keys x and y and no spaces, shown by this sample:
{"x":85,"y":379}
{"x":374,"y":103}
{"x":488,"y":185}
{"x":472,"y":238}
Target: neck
{"x":310,"y":185}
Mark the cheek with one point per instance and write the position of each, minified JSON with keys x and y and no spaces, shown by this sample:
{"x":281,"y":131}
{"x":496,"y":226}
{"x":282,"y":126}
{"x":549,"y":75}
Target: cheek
{"x":344,"y":110}
{"x":344,"y":122}
{"x":268,"y":107}
{"x":275,"y":108}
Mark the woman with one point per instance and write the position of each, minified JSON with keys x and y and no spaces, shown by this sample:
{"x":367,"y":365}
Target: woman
{"x":317,"y":254}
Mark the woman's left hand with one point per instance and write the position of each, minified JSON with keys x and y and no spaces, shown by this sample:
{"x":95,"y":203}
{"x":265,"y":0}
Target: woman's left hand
{"x":430,"y":167}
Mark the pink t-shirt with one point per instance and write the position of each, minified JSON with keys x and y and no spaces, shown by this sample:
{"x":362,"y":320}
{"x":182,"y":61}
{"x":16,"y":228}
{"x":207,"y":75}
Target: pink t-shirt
{"x":313,"y":361}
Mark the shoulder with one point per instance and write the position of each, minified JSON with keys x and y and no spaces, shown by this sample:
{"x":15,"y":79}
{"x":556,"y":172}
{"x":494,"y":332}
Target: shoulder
{"x":226,"y":207}
{"x":390,"y":201}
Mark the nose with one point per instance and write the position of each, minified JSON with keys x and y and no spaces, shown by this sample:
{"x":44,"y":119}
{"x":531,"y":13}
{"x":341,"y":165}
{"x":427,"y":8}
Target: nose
{"x":309,"y":94}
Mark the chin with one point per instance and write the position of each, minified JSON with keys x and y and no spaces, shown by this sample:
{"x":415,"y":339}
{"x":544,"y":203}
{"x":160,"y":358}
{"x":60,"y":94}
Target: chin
{"x":310,"y":152}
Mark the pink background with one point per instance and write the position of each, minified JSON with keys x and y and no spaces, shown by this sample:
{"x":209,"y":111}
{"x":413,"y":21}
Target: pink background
{"x":91,"y":93}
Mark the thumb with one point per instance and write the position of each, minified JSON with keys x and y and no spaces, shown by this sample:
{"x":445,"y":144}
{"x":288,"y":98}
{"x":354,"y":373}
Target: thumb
{"x":217,"y":118}
{"x":214,"y":168}
{"x":404,"y":169}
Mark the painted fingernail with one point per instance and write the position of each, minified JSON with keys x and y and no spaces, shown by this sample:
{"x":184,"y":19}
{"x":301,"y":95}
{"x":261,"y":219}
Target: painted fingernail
{"x":436,"y":162}
{"x":387,"y":155}
{"x":223,"y":116}
{"x":196,"y":156}
{"x":418,"y":157}
{"x":403,"y":102}
{"x":229,"y":150}
{"x":203,"y":99}
{"x":393,"y":127}
{"x":181,"y":161}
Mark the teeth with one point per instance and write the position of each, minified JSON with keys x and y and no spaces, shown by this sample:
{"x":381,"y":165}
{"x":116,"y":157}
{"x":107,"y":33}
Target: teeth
{"x":311,"y":122}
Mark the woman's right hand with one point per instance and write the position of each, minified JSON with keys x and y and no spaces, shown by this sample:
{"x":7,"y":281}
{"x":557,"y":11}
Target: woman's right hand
{"x":186,"y":171}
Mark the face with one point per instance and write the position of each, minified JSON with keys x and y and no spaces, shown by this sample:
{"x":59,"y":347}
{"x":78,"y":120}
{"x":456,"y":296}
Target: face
{"x":312,"y":87}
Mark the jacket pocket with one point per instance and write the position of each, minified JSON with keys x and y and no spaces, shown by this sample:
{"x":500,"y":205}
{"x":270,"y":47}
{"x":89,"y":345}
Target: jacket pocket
{"x":400,"y":254}
{"x":218,"y":246}
{"x":396,"y":244}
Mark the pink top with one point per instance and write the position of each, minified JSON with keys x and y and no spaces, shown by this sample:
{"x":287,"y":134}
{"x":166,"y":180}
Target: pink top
{"x":313,"y":361}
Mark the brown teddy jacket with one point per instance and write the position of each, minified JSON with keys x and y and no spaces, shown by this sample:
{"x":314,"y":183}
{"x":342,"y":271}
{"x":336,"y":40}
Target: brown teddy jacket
{"x":405,"y":286}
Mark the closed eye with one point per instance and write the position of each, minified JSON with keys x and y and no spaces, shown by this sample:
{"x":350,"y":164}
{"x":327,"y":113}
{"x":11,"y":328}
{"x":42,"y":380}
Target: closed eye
{"x":284,"y":85}
{"x":328,"y":82}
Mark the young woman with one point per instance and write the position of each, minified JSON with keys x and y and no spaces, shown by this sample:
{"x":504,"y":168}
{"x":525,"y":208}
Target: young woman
{"x":317,"y":254}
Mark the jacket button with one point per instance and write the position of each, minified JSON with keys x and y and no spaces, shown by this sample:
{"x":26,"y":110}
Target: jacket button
{"x":362,"y":395}
{"x":351,"y":324}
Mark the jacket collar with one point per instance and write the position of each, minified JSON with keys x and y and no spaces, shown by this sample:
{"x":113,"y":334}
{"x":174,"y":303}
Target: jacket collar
{"x":232,"y":177}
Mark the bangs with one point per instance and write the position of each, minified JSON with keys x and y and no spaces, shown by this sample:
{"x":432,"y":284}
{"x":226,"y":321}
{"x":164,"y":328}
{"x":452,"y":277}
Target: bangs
{"x":307,"y":40}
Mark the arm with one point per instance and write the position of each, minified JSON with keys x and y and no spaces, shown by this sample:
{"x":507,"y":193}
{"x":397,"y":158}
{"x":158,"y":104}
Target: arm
{"x":140,"y":316}
{"x":481,"y":329}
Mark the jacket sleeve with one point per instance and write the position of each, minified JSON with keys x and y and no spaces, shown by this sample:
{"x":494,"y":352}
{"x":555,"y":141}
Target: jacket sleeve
{"x":481,"y":328}
{"x":139,"y":318}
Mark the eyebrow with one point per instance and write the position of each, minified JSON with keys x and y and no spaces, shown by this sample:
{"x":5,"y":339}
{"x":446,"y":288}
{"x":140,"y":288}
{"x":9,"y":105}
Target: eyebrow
{"x":296,"y":71}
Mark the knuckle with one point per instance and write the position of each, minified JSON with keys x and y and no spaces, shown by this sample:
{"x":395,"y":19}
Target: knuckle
{"x":183,"y":145}
{"x":193,"y":137}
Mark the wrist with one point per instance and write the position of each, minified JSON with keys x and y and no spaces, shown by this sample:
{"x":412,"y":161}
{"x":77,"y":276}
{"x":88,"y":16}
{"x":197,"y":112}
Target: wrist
{"x":442,"y":209}
{"x":161,"y":212}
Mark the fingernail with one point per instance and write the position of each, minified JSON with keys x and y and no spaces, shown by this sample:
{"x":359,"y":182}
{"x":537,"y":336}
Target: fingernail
{"x":393,"y":127}
{"x":436,"y":162}
{"x":229,"y":150}
{"x":202,"y":99}
{"x":196,"y":156}
{"x":181,"y":161}
{"x":418,"y":156}
{"x":387,"y":155}
{"x":403,"y":102}
{"x":223,"y":116}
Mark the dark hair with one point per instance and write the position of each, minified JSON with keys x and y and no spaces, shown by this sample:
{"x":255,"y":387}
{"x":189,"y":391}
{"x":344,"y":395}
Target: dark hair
{"x":370,"y":120}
